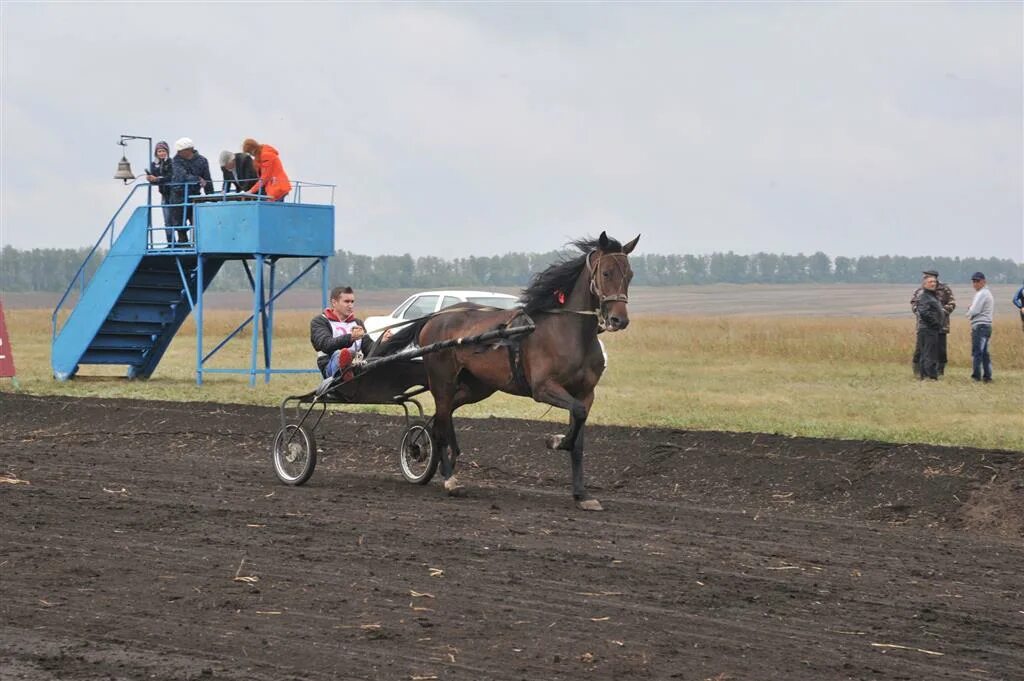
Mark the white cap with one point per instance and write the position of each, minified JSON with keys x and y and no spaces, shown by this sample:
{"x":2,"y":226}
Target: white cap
{"x":183,"y":143}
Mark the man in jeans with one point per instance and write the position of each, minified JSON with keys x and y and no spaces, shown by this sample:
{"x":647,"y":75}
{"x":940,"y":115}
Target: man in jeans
{"x":980,"y":314}
{"x":337,"y":335}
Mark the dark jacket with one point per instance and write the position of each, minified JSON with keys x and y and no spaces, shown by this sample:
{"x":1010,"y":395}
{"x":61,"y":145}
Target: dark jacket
{"x":243,"y":177}
{"x":1018,"y":299}
{"x":945,"y":294}
{"x":930,"y":314}
{"x":162,"y":171}
{"x":189,"y":171}
{"x":321,"y":335}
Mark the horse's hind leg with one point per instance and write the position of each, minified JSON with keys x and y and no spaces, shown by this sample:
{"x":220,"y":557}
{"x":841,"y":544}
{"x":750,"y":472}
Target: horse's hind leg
{"x":444,"y":439}
{"x":443,"y":429}
{"x":464,"y":394}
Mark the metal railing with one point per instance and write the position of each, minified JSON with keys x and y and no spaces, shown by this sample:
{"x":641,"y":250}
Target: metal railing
{"x":108,"y":232}
{"x":80,"y":274}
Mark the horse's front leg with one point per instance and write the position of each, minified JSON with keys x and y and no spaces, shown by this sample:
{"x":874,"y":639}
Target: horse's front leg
{"x":578,"y":410}
{"x":556,"y":395}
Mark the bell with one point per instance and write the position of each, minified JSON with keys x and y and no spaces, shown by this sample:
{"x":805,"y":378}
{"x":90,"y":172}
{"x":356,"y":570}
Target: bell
{"x":124,"y":171}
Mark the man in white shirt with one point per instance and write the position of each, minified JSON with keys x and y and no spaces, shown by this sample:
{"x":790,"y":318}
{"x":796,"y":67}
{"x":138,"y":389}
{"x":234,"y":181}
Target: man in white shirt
{"x":980,"y":314}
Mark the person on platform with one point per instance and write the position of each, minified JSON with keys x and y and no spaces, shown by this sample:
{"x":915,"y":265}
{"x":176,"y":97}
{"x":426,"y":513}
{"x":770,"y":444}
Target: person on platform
{"x":238,"y":170}
{"x":160,"y":175}
{"x":273,"y":181}
{"x":190,"y":175}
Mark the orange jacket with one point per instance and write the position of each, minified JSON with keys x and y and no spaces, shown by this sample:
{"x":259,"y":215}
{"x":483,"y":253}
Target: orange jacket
{"x":273,"y":180}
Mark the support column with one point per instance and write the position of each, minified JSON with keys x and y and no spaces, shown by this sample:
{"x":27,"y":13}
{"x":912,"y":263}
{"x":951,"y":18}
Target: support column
{"x":323,"y":283}
{"x":257,"y":313}
{"x":268,"y":326}
{"x":199,"y":320}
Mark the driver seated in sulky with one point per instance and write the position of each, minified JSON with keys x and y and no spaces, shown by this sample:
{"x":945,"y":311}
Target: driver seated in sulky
{"x":338,"y":336}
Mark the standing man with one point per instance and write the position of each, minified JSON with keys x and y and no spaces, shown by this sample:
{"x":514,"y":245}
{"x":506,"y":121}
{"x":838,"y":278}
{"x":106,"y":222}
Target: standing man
{"x":931,"y":317}
{"x":337,"y":335}
{"x":980,"y":314}
{"x":948,"y":304}
{"x":1018,"y":301}
{"x":189,"y":171}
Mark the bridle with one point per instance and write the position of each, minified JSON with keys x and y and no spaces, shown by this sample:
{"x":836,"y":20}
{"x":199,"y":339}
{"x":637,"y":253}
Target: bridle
{"x":595,"y":289}
{"x":595,"y":286}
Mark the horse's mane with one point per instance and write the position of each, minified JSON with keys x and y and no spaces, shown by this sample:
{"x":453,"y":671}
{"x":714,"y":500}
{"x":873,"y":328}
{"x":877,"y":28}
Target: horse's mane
{"x":561,"y":276}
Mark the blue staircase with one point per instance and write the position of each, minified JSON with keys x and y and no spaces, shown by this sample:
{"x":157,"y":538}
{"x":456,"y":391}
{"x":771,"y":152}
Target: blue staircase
{"x":141,"y":293}
{"x":130,"y":311}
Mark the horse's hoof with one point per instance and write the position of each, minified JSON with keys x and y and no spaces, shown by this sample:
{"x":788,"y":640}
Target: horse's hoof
{"x":454,"y":487}
{"x":589,"y":505}
{"x":553,"y":441}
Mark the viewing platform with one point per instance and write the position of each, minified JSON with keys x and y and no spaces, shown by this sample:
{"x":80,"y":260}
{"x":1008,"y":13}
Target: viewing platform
{"x":144,"y":288}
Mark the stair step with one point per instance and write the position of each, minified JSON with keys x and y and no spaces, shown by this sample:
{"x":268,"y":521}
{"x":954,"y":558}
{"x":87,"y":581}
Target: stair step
{"x":111,"y":357}
{"x":132,"y":294}
{"x":104,"y":341}
{"x":163,"y":280}
{"x":141,"y":312}
{"x":136,"y":328}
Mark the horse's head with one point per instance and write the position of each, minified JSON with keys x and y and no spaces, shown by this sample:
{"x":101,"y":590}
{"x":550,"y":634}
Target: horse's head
{"x":610,"y":275}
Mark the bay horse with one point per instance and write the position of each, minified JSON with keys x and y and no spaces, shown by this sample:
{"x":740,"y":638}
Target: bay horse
{"x":560,"y":363}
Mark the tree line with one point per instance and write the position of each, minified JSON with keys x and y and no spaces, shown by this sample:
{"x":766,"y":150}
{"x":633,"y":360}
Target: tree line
{"x":51,"y":269}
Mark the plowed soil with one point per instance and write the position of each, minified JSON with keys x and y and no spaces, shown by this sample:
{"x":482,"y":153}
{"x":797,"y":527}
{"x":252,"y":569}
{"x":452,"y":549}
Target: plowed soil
{"x":153,"y":541}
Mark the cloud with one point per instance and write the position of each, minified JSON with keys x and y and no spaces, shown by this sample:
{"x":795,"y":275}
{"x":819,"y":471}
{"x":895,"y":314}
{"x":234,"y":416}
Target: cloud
{"x":455,"y":130}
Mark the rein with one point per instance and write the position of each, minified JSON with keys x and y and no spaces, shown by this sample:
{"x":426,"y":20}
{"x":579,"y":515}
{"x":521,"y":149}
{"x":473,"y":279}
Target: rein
{"x":406,"y":322}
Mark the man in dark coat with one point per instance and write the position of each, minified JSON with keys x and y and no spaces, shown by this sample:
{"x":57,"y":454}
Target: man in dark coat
{"x":931,"y":317}
{"x":239,"y":171}
{"x":945,"y":294}
{"x":189,"y":171}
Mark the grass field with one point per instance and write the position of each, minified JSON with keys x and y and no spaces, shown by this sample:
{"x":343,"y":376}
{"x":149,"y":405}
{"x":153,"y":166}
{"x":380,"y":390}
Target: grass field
{"x":797,"y":375}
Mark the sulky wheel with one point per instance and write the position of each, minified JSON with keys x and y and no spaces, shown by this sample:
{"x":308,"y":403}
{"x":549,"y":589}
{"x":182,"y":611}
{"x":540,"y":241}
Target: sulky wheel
{"x":294,"y":455}
{"x":416,"y":453}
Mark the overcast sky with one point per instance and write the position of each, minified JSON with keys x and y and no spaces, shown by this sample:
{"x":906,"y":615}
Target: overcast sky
{"x":455,"y":129}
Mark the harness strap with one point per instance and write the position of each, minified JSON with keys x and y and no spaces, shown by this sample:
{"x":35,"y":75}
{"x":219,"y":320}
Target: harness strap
{"x":515,"y":355}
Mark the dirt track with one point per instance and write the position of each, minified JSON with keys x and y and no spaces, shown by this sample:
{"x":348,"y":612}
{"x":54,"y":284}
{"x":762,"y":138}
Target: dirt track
{"x":721,"y":556}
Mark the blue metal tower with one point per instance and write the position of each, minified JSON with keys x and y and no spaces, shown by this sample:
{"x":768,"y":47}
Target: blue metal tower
{"x":140,"y":294}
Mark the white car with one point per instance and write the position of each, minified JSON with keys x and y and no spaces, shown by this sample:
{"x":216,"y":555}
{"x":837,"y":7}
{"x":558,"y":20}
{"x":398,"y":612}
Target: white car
{"x":425,"y":302}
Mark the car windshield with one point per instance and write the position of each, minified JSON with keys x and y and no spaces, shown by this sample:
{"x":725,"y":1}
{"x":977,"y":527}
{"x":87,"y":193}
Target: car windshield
{"x":494,"y":301}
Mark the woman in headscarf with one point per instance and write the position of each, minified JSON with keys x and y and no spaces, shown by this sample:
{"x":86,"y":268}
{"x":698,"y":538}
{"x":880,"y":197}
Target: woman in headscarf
{"x":273,"y":181}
